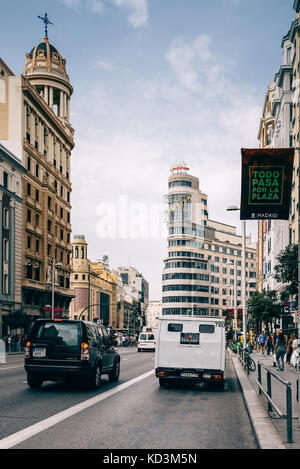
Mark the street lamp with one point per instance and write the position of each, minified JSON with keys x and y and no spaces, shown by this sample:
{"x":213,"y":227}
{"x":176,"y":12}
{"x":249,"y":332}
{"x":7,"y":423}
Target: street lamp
{"x":235,"y":307}
{"x":53,"y":280}
{"x":233,"y":208}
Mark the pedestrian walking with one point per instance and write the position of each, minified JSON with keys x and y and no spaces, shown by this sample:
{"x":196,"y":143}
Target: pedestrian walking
{"x":269,"y":344}
{"x":280,"y":351}
{"x":289,"y":348}
{"x":262,"y":342}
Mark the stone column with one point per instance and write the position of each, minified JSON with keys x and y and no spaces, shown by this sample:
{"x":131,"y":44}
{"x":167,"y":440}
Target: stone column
{"x":51,"y":97}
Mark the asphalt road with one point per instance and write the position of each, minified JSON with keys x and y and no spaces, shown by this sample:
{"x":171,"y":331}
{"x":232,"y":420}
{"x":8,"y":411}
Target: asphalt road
{"x":133,"y":413}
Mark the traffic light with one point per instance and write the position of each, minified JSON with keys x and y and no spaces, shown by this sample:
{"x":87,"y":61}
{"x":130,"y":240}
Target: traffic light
{"x":194,"y":309}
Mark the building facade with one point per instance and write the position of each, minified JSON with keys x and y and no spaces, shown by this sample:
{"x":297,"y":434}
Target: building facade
{"x":154,"y":311}
{"x":11,"y":172}
{"x":279,"y":128}
{"x":136,"y":292}
{"x":202,"y":273}
{"x":35,"y":118}
{"x":94,"y":285}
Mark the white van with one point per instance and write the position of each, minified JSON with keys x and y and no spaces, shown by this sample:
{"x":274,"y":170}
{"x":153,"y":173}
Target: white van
{"x":191,"y":348}
{"x":146,"y":341}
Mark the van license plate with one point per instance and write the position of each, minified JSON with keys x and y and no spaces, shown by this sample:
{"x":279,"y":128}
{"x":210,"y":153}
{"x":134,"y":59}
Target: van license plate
{"x":190,"y":375}
{"x":39,"y":352}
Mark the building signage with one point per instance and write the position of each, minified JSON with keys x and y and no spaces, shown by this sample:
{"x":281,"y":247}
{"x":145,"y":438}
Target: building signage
{"x":266,"y":183}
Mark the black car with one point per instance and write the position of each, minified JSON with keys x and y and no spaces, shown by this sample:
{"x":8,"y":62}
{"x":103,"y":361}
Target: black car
{"x":62,"y":349}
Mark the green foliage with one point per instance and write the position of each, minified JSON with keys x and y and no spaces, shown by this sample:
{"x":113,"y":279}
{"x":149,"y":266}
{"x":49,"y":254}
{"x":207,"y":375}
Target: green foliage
{"x":264,"y":307}
{"x":18,"y":319}
{"x":286,"y":271}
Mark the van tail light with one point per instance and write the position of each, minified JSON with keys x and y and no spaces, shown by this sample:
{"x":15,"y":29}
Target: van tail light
{"x":27,"y":349}
{"x":85,"y":351}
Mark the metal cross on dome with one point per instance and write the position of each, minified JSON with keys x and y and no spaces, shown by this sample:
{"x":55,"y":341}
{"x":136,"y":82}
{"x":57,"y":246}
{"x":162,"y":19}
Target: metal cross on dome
{"x":46,"y":21}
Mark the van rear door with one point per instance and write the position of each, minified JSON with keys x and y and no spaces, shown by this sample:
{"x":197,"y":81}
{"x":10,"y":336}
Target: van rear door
{"x":56,"y":340}
{"x":190,"y":344}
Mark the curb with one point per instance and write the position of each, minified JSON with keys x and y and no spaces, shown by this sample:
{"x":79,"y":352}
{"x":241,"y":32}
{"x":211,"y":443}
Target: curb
{"x":266,"y":435}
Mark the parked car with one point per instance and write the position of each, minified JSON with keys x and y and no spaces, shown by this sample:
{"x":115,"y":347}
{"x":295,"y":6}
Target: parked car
{"x":62,"y":349}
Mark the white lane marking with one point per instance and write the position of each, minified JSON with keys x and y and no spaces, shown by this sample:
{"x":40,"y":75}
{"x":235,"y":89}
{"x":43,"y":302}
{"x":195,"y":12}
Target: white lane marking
{"x":22,"y":435}
{"x":11,"y":367}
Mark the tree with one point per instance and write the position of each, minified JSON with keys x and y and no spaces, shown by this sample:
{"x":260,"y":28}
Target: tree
{"x":264,"y":307}
{"x":286,"y":271}
{"x":18,"y":319}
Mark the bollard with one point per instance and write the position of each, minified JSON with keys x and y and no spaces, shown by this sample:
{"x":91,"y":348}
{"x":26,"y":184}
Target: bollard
{"x":259,"y":376}
{"x":269,"y":390}
{"x":289,"y":415}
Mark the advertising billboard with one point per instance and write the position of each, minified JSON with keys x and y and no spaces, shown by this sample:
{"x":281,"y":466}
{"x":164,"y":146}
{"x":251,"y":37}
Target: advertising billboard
{"x":266,"y":183}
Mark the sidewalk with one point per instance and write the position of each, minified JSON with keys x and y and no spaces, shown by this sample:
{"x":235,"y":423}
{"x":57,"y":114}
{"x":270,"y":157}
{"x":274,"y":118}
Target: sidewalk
{"x":270,"y":429}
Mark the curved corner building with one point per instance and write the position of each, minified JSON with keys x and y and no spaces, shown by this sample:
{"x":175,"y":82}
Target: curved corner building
{"x":185,"y":280}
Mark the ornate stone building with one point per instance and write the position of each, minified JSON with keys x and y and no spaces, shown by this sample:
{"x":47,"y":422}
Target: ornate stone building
{"x":94,"y":285}
{"x":35,"y":118}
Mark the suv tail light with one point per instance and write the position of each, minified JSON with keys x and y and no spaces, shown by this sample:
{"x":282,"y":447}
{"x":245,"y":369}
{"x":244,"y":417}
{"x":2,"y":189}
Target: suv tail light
{"x":85,"y":351}
{"x":27,"y":349}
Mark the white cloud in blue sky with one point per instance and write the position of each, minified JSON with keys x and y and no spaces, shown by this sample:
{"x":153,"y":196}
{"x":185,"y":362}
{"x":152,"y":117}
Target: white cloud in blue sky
{"x":137,"y":10}
{"x":155,"y":82}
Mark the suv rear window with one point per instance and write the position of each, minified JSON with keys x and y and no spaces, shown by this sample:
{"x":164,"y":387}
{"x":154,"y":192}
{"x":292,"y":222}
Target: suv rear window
{"x":62,"y":333}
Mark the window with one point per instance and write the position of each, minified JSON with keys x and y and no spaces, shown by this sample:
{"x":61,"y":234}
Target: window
{"x":28,"y":189}
{"x":5,"y":250}
{"x":49,"y":226}
{"x":37,"y":195}
{"x":29,"y":164}
{"x":6,"y":217}
{"x":175,"y":327}
{"x":49,"y":202}
{"x":37,"y":220}
{"x":37,"y":170}
{"x":29,"y":215}
{"x":206,"y":329}
{"x":61,"y":213}
{"x":37,"y":245}
{"x":28,"y":242}
{"x":5,"y":284}
{"x":5,"y":180}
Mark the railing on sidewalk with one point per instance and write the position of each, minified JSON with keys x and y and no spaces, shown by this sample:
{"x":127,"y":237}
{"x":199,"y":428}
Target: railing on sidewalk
{"x":244,"y":357}
{"x":268,"y":394}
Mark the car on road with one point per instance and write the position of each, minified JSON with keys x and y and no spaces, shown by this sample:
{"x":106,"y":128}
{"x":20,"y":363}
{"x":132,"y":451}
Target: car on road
{"x":146,"y":341}
{"x":72,"y":350}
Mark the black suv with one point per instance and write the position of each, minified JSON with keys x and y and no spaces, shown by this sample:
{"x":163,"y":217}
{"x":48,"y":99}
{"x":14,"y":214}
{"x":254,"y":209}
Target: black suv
{"x":62,"y":349}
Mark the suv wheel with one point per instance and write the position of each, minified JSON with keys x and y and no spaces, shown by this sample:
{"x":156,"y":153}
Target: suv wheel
{"x":95,"y":378}
{"x":34,"y":381}
{"x":114,"y":375}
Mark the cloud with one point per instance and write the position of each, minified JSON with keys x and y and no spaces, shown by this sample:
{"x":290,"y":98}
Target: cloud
{"x":134,"y":128}
{"x":138,"y":9}
{"x":104,"y":65}
{"x":95,"y":6}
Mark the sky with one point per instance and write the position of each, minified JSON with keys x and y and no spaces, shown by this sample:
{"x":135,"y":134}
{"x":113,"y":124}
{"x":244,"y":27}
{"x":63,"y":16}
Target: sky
{"x":155,"y":82}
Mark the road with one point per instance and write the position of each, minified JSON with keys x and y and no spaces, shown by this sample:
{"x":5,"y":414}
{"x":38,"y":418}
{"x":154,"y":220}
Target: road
{"x":133,"y":413}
